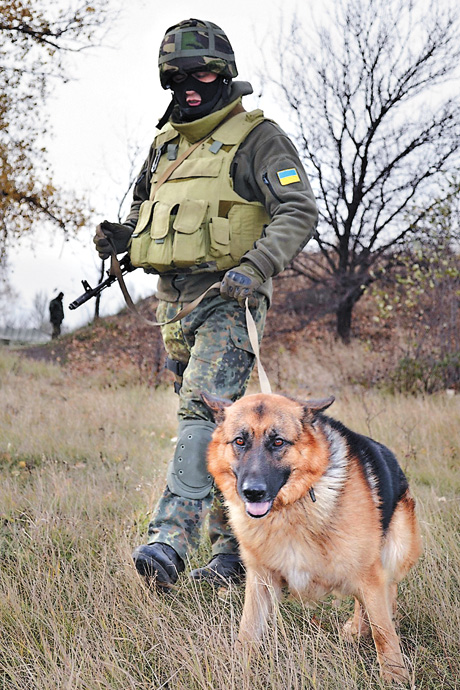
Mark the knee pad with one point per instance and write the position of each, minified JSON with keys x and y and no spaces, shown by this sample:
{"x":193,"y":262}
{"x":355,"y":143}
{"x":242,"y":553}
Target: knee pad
{"x":188,"y":474}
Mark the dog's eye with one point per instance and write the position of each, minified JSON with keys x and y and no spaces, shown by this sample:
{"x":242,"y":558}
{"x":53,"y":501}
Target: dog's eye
{"x":239,"y":441}
{"x":278,"y":442}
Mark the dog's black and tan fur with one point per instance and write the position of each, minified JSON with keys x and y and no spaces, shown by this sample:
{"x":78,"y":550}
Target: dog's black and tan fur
{"x":316,"y":508}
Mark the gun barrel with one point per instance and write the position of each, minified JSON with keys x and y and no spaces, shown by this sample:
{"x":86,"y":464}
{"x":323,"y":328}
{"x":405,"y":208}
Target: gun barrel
{"x":89,"y":292}
{"x":83,"y":298}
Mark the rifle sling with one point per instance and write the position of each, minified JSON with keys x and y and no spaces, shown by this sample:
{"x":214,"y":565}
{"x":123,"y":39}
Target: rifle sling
{"x":167,"y":173}
{"x":189,"y":307}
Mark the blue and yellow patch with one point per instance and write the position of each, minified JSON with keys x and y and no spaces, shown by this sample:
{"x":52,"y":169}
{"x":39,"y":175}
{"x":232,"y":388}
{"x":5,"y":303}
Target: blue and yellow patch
{"x":288,"y":176}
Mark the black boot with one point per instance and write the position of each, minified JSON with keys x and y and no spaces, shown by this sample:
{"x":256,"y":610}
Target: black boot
{"x":159,"y":564}
{"x":221,"y":571}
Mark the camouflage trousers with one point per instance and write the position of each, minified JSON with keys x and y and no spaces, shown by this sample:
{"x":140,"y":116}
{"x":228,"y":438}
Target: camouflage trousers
{"x":213,"y":344}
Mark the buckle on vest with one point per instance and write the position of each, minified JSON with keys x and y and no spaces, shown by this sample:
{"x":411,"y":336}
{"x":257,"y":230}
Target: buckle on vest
{"x":216,"y":146}
{"x":156,"y":160}
{"x":172,"y":152}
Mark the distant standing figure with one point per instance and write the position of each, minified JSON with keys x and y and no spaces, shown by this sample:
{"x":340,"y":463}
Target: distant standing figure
{"x":56,"y":314}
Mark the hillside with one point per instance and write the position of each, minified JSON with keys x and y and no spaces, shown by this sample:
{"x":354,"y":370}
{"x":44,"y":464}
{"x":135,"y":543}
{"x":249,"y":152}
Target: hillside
{"x":398,"y":349}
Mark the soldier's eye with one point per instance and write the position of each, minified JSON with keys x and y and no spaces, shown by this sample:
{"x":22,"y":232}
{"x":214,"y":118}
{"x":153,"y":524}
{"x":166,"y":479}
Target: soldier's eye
{"x":206,"y":77}
{"x":179,"y":78}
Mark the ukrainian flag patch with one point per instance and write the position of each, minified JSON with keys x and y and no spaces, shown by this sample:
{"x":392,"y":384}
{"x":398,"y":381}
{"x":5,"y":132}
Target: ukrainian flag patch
{"x":288,"y":176}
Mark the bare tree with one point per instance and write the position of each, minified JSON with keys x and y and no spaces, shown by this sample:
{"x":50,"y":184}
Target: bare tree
{"x":374,"y":113}
{"x":36,"y":37}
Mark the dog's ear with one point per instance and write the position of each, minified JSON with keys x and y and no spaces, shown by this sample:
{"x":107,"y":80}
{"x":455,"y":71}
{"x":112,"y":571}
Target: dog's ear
{"x":312,"y":408}
{"x":216,"y":405}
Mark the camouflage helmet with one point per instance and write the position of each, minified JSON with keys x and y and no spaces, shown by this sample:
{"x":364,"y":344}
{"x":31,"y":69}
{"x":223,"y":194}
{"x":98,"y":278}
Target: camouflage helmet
{"x":194,"y":45}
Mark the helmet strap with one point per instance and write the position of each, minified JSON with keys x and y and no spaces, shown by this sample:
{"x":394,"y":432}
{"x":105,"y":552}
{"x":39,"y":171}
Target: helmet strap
{"x":167,"y":114}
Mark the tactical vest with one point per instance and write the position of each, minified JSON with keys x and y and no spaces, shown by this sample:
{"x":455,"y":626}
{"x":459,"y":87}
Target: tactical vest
{"x":197,"y":222}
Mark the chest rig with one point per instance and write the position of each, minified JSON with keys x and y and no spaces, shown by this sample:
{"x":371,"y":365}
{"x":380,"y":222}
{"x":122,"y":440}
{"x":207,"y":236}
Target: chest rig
{"x":195,"y":221}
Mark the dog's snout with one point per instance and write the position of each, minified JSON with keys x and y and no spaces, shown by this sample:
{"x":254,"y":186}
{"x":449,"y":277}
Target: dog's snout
{"x":255,"y":493}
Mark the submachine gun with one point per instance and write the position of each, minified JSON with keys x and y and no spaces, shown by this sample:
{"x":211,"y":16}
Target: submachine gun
{"x":125,"y":266}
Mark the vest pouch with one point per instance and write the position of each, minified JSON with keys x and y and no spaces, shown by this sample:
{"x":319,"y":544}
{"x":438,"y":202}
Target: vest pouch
{"x":159,"y":254}
{"x":219,"y":237}
{"x":140,"y":239}
{"x":191,"y":241}
{"x":247,"y":222}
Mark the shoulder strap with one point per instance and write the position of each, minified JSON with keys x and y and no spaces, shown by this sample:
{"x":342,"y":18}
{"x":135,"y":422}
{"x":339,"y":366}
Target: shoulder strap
{"x":256,"y":114}
{"x":167,"y":173}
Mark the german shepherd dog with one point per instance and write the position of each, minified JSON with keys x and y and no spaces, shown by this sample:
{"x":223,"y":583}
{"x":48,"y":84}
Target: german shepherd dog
{"x":316,"y":508}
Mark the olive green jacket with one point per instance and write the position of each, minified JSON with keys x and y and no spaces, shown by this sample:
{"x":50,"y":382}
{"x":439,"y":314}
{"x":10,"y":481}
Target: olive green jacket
{"x":259,"y":169}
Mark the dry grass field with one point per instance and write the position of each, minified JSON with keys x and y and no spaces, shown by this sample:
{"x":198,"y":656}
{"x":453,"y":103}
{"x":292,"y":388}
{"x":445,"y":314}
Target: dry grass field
{"x":82,"y":463}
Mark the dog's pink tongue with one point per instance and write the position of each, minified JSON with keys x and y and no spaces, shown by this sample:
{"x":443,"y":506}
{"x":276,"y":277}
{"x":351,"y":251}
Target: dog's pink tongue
{"x":257,"y":508}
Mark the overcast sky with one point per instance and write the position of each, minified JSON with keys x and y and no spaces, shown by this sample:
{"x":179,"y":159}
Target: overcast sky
{"x":110,"y":106}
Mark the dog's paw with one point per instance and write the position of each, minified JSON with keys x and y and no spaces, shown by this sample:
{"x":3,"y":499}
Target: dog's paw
{"x":351,"y":632}
{"x":395,"y":674}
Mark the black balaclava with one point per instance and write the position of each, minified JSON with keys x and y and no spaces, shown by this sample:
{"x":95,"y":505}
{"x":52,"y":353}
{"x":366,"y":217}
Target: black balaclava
{"x":211,"y":93}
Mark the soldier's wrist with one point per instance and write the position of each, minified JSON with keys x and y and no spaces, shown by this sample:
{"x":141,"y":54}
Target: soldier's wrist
{"x":261,"y":263}
{"x":248,"y":268}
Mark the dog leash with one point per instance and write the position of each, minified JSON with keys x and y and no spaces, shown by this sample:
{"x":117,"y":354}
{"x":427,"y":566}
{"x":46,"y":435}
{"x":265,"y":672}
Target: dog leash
{"x":264,"y":383}
{"x":250,"y":323}
{"x":254,"y":340}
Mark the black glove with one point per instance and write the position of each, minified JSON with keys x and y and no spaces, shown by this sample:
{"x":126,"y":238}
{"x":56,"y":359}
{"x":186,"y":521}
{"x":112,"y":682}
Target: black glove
{"x":241,"y":282}
{"x":110,"y":235}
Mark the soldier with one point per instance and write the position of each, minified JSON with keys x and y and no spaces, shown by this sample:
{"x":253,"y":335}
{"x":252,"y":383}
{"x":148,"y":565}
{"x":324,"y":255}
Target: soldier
{"x":56,"y":314}
{"x":237,"y":209}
